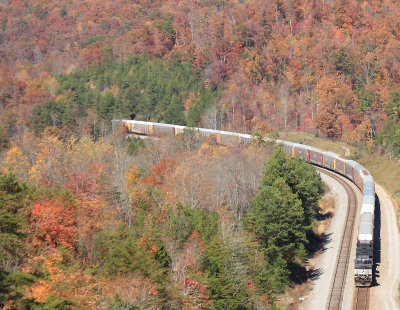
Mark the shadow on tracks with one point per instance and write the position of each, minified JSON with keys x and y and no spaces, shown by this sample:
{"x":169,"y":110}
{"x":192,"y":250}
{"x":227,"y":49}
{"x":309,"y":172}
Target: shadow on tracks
{"x":377,"y":242}
{"x":318,"y":243}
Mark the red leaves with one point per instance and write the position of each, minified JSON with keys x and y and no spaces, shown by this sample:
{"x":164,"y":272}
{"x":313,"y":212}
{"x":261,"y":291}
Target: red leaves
{"x":53,"y":222}
{"x":198,"y":293}
{"x":159,"y":171}
{"x":86,"y":181}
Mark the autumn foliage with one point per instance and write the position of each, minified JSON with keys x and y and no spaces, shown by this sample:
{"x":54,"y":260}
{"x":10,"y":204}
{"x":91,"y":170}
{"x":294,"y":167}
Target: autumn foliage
{"x":95,"y":219}
{"x":325,"y":67}
{"x":53,"y":222}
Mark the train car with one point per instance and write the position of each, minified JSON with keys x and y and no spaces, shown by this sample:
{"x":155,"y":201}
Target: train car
{"x":316,"y":156}
{"x":341,"y":164}
{"x":245,"y":138}
{"x":236,"y":138}
{"x":367,"y":180}
{"x":365,"y":243}
{"x":357,"y":176}
{"x":288,"y":147}
{"x":228,"y":138}
{"x":369,"y":196}
{"x":364,"y":252}
{"x":208,"y":133}
{"x":350,"y":165}
{"x":302,"y":151}
{"x":179,"y":129}
{"x":128,"y":126}
{"x":357,"y":173}
{"x":329,"y":160}
{"x":163,"y":129}
{"x":144,"y":128}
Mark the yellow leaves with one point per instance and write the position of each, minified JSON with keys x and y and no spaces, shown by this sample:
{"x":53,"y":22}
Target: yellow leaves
{"x":91,"y":215}
{"x":263,"y":127}
{"x":362,"y":134}
{"x":190,"y":99}
{"x":253,"y":69}
{"x":50,"y":85}
{"x":17,"y":163}
{"x":213,"y":151}
{"x":55,"y":160}
{"x":79,"y":27}
{"x":40,"y":291}
{"x":64,"y":283}
{"x":86,"y":149}
{"x":131,"y":177}
{"x":326,"y":88}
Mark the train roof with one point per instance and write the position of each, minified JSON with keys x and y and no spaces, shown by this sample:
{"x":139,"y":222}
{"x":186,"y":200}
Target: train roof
{"x":244,"y":135}
{"x":209,"y":130}
{"x":302,"y":146}
{"x":329,"y":153}
{"x":313,"y":148}
{"x":341,"y":157}
{"x":367,"y":208}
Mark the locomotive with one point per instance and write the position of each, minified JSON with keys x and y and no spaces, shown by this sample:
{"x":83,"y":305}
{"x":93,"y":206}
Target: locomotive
{"x":329,"y":160}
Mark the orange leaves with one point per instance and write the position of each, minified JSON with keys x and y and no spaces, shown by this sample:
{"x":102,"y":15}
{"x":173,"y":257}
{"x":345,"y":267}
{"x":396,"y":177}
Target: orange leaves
{"x":63,"y":283}
{"x":53,"y":223}
{"x":42,"y":288}
{"x":92,"y":215}
{"x":159,"y":171}
{"x":361,"y":134}
{"x":40,"y":291}
{"x":145,"y":242}
{"x":131,"y":177}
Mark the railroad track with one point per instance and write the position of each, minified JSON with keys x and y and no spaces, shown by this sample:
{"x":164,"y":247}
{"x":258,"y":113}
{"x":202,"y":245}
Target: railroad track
{"x":335,"y":297}
{"x":362,"y":298}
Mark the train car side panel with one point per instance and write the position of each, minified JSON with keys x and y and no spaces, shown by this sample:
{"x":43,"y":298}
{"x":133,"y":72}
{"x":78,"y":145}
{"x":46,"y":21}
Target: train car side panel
{"x":302,"y":151}
{"x":316,"y":156}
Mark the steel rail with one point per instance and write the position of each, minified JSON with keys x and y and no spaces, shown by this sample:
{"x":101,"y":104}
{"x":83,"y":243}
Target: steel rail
{"x":362,"y":298}
{"x":336,"y":293}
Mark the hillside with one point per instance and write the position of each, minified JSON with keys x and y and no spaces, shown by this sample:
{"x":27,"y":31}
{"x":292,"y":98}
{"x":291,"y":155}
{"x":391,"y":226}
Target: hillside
{"x":326,"y":67}
{"x":92,"y":218}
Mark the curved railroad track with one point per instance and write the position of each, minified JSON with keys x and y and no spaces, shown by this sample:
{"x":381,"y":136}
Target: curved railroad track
{"x":336,"y":293}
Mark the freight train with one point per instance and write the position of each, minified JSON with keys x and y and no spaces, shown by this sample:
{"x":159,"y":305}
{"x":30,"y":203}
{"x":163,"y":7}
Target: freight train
{"x":329,"y":160}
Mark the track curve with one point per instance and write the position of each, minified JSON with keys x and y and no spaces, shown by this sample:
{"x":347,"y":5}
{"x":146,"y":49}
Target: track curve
{"x":335,"y":298}
{"x":346,"y":167}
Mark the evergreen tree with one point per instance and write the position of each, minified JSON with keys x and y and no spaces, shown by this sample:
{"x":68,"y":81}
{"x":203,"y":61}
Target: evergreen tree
{"x":302,"y":179}
{"x":63,"y":11}
{"x":277,"y":218}
{"x":391,"y":132}
{"x":4,"y":141}
{"x":281,"y":215}
{"x":14,"y":198}
{"x":106,"y":106}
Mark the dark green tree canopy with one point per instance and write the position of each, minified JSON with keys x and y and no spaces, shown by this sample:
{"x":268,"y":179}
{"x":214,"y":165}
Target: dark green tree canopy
{"x":281,"y":215}
{"x":302,"y":179}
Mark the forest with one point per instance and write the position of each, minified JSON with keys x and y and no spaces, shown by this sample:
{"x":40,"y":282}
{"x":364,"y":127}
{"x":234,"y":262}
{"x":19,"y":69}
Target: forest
{"x":330,"y":68}
{"x":178,"y":223}
{"x":96,"y":219}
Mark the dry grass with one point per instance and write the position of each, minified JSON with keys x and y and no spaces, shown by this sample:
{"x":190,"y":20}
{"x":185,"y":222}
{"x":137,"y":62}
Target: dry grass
{"x":327,"y":205}
{"x":385,"y":172}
